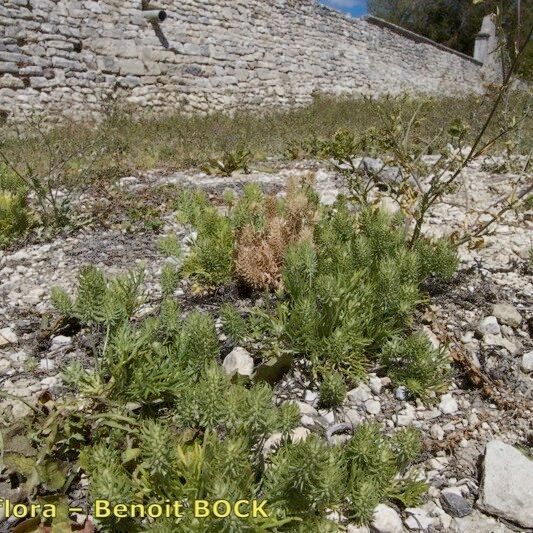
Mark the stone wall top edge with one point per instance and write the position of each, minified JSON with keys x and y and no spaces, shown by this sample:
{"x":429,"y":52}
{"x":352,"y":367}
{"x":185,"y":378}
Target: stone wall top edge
{"x":417,"y":38}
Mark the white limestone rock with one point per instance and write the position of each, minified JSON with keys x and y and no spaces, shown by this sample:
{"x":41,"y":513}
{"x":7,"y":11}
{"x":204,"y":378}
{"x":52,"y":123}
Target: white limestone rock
{"x":418,"y":519}
{"x":7,"y":337}
{"x":360,"y":395}
{"x":507,"y":484}
{"x":477,"y":523}
{"x":498,"y":340}
{"x":448,"y":405}
{"x":373,"y":407}
{"x":355,"y":529}
{"x":47,"y":365}
{"x":306,"y":409}
{"x":437,"y":432}
{"x":375,"y":385}
{"x":386,"y":520}
{"x":238,"y":361}
{"x":405,"y":417}
{"x":297,"y":435}
{"x":527,"y":362}
{"x":61,"y":341}
{"x":353,"y":417}
{"x":507,"y":314}
{"x":489,"y":325}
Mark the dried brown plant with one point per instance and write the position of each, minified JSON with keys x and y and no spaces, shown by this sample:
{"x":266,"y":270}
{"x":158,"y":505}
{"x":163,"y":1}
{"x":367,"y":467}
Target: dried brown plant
{"x":260,"y":252}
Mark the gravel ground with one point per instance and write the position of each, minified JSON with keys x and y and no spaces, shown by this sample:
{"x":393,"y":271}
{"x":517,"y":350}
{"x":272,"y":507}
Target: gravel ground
{"x":485,"y":315}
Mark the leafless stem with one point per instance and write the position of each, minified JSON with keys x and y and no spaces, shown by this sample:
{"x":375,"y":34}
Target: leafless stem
{"x":481,"y":230}
{"x":433,"y":195}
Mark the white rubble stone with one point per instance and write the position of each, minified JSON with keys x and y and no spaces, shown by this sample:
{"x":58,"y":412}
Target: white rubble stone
{"x":7,"y":337}
{"x":477,"y":523}
{"x":473,"y":420}
{"x":446,"y":521}
{"x":405,"y":417}
{"x":498,"y":340}
{"x":335,"y":516}
{"x":507,"y":314}
{"x":386,"y":381}
{"x":507,"y":484}
{"x":328,"y":416}
{"x":47,"y":365}
{"x":432,"y":413}
{"x":352,"y":416}
{"x":373,"y":407}
{"x":51,"y":383}
{"x":297,"y":435}
{"x":448,"y":405}
{"x":401,"y":393}
{"x":61,"y":341}
{"x":467,"y":337}
{"x":418,"y":519}
{"x":356,"y":529}
{"x":453,"y":490}
{"x":386,"y":520}
{"x":389,"y":205}
{"x":306,"y":409}
{"x":127,"y":181}
{"x":527,"y":362}
{"x":310,"y":396}
{"x":432,"y":337}
{"x":18,"y":409}
{"x":435,"y":464}
{"x":238,"y":361}
{"x":21,"y":255}
{"x":375,"y":385}
{"x":360,"y":394}
{"x":449,"y":427}
{"x":437,"y":432}
{"x":489,"y":325}
{"x":34,"y":296}
{"x":507,"y":331}
{"x":307,"y":420}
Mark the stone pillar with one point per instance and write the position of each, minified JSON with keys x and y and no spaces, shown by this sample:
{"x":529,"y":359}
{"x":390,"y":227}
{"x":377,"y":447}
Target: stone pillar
{"x":487,"y":49}
{"x":481,"y":48}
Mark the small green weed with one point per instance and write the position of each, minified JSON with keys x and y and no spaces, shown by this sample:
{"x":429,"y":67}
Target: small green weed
{"x":230,"y":162}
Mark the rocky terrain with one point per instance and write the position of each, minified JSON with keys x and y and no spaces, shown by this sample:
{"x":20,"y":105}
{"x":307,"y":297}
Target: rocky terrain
{"x":477,"y":436}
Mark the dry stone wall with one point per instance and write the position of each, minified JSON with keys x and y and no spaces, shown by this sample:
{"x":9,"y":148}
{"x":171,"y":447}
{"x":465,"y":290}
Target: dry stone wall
{"x":72,"y":57}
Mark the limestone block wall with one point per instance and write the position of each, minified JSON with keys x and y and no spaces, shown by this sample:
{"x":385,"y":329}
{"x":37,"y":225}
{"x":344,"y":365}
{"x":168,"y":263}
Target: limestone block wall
{"x":71,"y":57}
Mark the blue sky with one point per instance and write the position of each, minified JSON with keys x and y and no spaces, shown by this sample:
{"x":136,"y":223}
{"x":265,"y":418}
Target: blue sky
{"x":353,"y":7}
